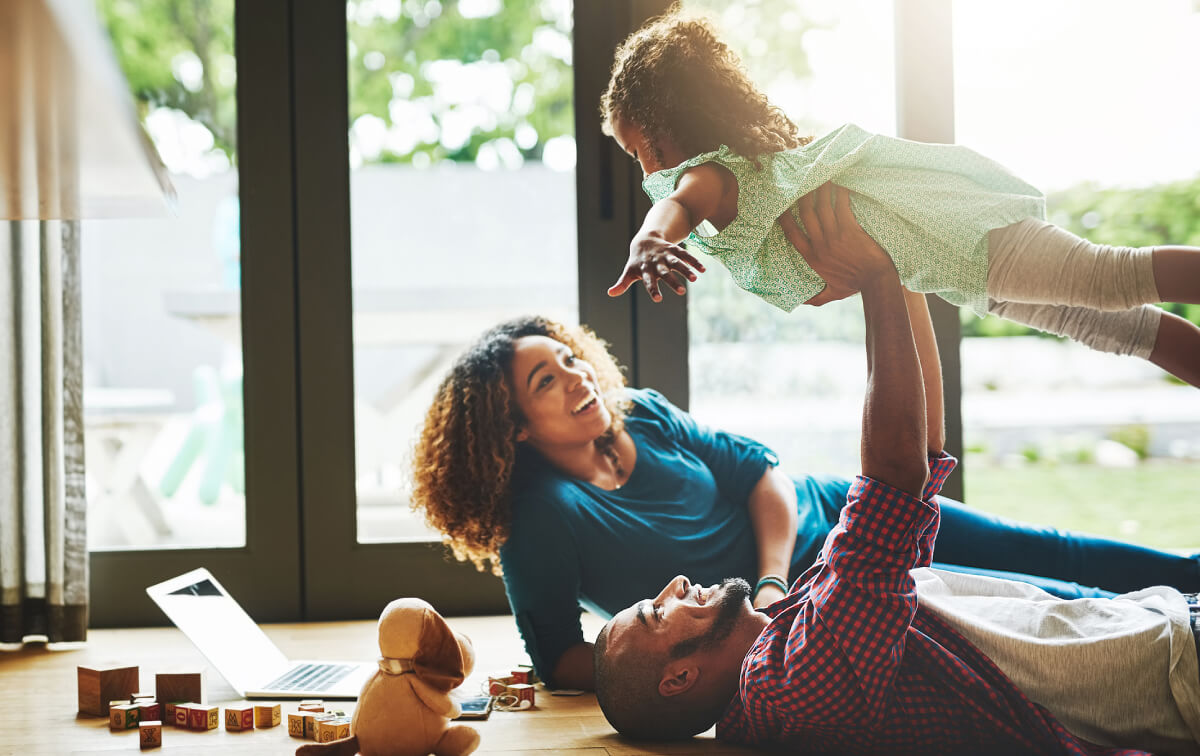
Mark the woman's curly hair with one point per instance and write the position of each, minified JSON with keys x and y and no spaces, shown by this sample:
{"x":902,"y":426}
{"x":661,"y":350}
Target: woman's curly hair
{"x":675,"y":79}
{"x":463,"y":461}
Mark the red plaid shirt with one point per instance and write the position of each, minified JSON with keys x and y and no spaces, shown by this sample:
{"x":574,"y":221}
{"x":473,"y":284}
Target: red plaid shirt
{"x":850,"y":663}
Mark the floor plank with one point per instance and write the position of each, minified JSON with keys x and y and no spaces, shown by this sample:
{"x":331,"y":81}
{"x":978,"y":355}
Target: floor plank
{"x":40,"y":685}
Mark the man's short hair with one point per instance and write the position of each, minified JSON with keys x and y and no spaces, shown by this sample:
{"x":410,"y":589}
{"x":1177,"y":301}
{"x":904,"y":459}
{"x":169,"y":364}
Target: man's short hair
{"x":627,"y":691}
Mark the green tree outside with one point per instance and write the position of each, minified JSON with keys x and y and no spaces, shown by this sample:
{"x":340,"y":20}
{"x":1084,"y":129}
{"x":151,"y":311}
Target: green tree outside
{"x":179,"y":54}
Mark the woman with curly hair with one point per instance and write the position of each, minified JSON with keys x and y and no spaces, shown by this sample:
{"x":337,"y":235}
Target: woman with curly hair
{"x":725,"y":168}
{"x":537,"y":463}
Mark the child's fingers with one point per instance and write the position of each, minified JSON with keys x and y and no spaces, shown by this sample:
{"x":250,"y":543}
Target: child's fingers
{"x":627,"y":279}
{"x":680,"y":267}
{"x":688,"y":258}
{"x":664,"y":276}
{"x":651,"y":287}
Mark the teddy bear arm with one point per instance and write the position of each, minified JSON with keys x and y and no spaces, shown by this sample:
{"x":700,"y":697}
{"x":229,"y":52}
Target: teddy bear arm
{"x":437,"y":701}
{"x":458,"y":740}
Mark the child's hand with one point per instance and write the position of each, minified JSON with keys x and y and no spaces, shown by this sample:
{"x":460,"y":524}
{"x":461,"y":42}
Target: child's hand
{"x":835,"y":246}
{"x":653,"y":259}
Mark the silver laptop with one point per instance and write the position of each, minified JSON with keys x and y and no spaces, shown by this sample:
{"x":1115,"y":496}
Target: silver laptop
{"x":241,"y":652}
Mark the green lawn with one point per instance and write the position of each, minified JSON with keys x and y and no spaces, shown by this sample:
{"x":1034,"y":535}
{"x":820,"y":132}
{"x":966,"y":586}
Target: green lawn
{"x":1155,"y":504}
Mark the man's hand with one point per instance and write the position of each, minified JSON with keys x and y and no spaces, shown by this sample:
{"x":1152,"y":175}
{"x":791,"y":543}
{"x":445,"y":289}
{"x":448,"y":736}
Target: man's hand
{"x":653,"y":259}
{"x":835,"y":246}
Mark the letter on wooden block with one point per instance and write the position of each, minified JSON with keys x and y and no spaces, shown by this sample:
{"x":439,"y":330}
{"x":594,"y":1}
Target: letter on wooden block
{"x":296,"y":724}
{"x":150,"y":734}
{"x":123,"y":717}
{"x":239,"y":717}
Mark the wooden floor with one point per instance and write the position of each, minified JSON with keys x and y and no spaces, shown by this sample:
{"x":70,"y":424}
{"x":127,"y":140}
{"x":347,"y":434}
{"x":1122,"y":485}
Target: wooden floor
{"x":38,"y":696}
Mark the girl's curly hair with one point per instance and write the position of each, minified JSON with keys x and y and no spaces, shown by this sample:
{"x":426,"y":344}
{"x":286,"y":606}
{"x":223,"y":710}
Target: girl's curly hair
{"x":675,"y":79}
{"x":463,"y":461}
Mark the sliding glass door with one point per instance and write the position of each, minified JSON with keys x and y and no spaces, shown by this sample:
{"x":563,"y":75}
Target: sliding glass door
{"x":189,"y":365}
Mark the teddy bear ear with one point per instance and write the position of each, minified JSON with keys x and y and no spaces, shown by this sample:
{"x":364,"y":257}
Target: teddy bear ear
{"x":438,"y":660}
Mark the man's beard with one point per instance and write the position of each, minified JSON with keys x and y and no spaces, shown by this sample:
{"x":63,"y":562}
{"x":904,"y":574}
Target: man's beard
{"x":734,"y":592}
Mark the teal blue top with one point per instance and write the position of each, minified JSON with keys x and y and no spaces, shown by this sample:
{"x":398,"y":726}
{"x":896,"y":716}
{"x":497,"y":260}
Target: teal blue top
{"x":929,"y":206}
{"x":682,"y":512}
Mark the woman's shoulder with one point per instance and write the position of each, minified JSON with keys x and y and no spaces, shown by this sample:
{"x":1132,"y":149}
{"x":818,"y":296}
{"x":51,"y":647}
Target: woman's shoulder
{"x":650,"y":406}
{"x":646,"y":399}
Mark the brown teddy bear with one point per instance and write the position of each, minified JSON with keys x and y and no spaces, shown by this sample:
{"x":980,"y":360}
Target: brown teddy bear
{"x":405,"y":709}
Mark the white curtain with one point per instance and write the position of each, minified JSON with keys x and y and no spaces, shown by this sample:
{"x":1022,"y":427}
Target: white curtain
{"x":70,"y":148}
{"x":43,"y":523}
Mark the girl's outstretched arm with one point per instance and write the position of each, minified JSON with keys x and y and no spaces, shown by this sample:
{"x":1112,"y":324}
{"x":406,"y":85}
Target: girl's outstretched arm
{"x":655,"y":252}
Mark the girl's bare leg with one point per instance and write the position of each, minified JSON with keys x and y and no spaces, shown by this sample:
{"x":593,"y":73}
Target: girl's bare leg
{"x":1177,"y":274}
{"x":1177,"y":349}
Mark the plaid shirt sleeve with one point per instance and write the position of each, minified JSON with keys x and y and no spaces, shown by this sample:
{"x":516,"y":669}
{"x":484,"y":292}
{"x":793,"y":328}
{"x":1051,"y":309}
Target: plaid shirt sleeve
{"x":853,"y":610}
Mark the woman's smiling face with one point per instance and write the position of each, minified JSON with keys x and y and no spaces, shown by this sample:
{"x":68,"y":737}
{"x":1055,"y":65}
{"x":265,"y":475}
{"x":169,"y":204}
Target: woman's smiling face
{"x":557,"y":394}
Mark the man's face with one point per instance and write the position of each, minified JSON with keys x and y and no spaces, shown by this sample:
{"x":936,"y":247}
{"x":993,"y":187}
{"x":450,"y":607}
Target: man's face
{"x":684,"y":620}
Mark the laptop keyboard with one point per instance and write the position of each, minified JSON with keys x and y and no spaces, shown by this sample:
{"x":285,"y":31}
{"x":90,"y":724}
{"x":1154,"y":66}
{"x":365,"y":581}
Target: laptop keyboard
{"x":314,"y":677}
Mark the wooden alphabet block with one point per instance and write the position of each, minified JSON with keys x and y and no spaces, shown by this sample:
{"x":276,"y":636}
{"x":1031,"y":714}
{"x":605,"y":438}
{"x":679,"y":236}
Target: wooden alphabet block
{"x":203,"y":717}
{"x":314,"y":706}
{"x":335,"y":728}
{"x":266,"y":715}
{"x":123,"y":717}
{"x":99,"y":685}
{"x":239,"y":717}
{"x":183,"y":715}
{"x":311,"y":719}
{"x":179,"y":686}
{"x":523,"y":692}
{"x":498,"y":683}
{"x":149,"y":711}
{"x":296,"y":724}
{"x":150,"y":734}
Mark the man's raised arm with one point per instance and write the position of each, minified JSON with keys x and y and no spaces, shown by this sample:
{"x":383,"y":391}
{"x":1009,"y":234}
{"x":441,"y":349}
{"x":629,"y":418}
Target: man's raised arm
{"x":894,"y":443}
{"x":860,"y":593}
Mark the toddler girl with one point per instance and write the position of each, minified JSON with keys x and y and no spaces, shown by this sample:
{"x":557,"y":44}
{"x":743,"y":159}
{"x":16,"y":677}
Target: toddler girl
{"x":722,"y":164}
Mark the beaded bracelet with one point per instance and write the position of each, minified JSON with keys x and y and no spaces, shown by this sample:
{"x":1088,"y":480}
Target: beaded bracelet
{"x":775,"y":580}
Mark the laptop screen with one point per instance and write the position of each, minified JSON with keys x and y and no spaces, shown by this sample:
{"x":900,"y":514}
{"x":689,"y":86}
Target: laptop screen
{"x":231,"y":641}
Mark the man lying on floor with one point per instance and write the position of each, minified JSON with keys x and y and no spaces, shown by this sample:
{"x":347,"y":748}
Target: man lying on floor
{"x":874,"y":652}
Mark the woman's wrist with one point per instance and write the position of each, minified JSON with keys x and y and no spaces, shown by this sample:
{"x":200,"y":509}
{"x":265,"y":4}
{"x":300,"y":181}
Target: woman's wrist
{"x":779,"y":581}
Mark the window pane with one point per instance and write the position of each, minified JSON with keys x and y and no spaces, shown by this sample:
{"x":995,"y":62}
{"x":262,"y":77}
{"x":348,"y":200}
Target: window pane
{"x":162,"y":313}
{"x":794,"y":381}
{"x":462,"y":208}
{"x":1083,"y":100}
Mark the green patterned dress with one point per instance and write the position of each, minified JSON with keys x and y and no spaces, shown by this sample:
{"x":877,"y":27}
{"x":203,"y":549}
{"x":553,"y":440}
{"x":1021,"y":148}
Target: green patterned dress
{"x":929,"y":206}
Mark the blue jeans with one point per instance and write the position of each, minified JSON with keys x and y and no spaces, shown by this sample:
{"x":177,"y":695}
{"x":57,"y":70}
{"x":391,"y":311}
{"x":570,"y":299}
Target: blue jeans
{"x":1061,"y":562}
